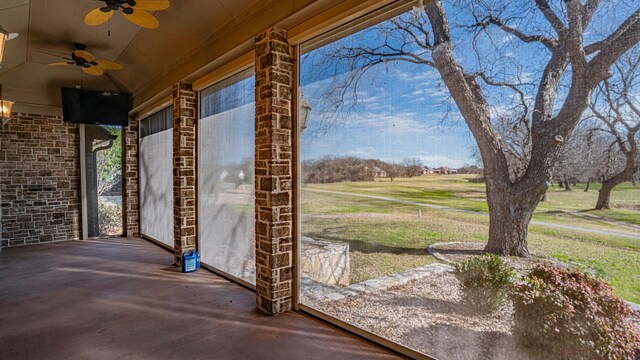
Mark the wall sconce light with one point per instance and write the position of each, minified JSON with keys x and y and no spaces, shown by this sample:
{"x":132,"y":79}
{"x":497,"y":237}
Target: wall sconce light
{"x":305,"y":111}
{"x":5,"y":108}
{"x":4,"y":37}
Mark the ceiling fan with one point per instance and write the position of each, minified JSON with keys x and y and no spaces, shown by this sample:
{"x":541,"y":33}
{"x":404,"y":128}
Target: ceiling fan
{"x":87,"y":62}
{"x":132,"y":10}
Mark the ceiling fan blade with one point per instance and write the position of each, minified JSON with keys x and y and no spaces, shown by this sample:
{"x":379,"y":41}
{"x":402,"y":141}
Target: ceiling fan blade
{"x":93,"y":70}
{"x":61,"y":63}
{"x":97,"y":17}
{"x":143,"y":19}
{"x":84,"y":54}
{"x":152,"y":4}
{"x":109,"y":65}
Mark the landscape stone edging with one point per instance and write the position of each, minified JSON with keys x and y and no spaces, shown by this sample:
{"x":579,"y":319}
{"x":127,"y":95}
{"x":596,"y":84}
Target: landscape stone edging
{"x":433,"y":251}
{"x":321,"y":292}
{"x":315,"y":291}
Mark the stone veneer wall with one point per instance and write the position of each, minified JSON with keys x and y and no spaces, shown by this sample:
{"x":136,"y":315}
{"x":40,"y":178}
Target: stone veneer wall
{"x":185,"y":110}
{"x":40,"y":180}
{"x":325,"y":262}
{"x":274,"y":172}
{"x":131,"y":180}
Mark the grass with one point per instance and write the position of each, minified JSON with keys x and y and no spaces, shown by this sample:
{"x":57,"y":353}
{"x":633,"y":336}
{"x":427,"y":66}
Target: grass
{"x":374,"y":265}
{"x":458,"y":191}
{"x":629,"y":216}
{"x":388,"y":237}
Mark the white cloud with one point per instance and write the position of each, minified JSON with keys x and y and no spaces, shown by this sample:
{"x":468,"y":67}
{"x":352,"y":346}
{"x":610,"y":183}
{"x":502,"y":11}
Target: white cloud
{"x":526,"y":77}
{"x":396,"y":124}
{"x":421,"y":76}
{"x":436,"y":91}
{"x":441,"y":160}
{"x":362,"y":152}
{"x":506,"y":38}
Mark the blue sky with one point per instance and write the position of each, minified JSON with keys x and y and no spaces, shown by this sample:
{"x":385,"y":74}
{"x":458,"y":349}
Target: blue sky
{"x":400,"y":114}
{"x":401,"y":107}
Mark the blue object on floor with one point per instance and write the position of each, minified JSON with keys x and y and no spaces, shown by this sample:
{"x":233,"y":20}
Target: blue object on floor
{"x":190,"y":261}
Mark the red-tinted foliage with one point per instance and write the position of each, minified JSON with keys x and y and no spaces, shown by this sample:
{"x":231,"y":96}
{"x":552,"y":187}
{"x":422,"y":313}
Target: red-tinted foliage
{"x":573,"y":316}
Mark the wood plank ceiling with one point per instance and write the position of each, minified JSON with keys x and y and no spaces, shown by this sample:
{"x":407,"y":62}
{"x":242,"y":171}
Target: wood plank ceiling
{"x":49,"y":27}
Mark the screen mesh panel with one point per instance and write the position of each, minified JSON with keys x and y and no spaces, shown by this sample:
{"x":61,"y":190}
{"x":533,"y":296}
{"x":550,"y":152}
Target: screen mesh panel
{"x":225,"y":183}
{"x":156,"y":176}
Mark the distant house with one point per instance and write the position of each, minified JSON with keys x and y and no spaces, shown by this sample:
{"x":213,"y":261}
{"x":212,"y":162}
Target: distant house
{"x":443,"y":170}
{"x":427,"y":170}
{"x":378,"y":173}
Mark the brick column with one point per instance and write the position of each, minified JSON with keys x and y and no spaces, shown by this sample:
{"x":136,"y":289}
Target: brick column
{"x":185,"y":109}
{"x":274,"y":172}
{"x":131,"y":179}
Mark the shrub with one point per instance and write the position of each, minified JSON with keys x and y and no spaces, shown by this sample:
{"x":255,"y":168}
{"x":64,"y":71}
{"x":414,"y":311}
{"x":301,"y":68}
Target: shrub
{"x":109,"y":218}
{"x":572,"y":316}
{"x":486,"y":282}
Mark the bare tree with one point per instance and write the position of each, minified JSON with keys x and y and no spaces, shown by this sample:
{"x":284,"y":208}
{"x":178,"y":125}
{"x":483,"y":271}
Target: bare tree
{"x":616,"y":105}
{"x":412,"y":167}
{"x":516,"y":142}
{"x":392,"y":170}
{"x":590,"y":155}
{"x":570,"y":166}
{"x":548,"y":117}
{"x":585,"y":158}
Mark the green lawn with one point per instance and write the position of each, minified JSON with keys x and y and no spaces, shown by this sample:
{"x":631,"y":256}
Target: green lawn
{"x":387,"y":237}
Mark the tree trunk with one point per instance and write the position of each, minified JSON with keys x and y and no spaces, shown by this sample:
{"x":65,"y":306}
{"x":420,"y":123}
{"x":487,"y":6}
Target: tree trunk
{"x":560,"y":184}
{"x":509,"y":217}
{"x":604,"y":195}
{"x":586,"y":189}
{"x":567,"y":185}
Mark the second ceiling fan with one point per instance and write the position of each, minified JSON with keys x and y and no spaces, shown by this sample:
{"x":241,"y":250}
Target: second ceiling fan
{"x":87,"y":62}
{"x":133,"y":10}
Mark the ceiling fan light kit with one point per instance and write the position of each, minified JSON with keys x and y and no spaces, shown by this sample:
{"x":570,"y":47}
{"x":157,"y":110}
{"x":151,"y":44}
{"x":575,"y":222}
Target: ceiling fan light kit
{"x":133,"y":10}
{"x":5,"y":108}
{"x":4,"y":37}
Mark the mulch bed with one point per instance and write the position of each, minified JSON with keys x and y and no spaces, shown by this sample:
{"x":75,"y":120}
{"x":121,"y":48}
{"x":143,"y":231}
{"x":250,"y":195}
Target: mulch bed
{"x":428,"y":315}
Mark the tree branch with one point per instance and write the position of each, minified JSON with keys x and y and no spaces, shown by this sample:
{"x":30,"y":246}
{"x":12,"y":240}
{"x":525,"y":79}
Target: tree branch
{"x":513,"y":87}
{"x":548,"y":42}
{"x":551,"y":17}
{"x":468,"y":96}
{"x":620,"y":41}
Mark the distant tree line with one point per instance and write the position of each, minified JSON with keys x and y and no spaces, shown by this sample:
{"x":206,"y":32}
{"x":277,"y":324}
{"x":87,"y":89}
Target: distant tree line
{"x":338,"y":169}
{"x":333,"y":169}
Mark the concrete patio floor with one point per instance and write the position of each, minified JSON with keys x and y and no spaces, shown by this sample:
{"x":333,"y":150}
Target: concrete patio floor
{"x":122,"y":298}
